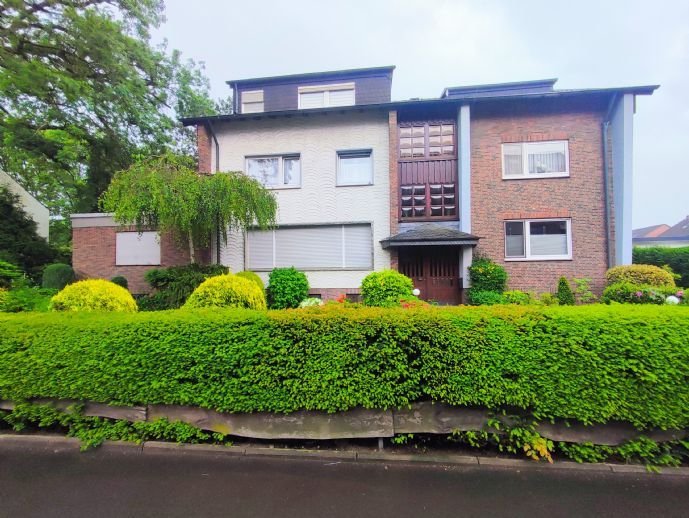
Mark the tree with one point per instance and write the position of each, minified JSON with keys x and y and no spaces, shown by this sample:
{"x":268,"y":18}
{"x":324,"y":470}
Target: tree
{"x":565,"y":295}
{"x":20,"y":244}
{"x":166,"y":193}
{"x":83,"y":91}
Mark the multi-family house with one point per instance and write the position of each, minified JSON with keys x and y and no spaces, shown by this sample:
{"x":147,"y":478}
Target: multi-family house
{"x":537,"y":179}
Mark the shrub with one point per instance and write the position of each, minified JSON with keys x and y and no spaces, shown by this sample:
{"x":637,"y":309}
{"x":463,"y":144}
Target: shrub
{"x":227,"y":291}
{"x":385,"y":288}
{"x":253,"y":277}
{"x":518,"y":297}
{"x":93,"y":295}
{"x":485,"y":298}
{"x":557,"y":362}
{"x":57,"y":276}
{"x":120,"y":281}
{"x":486,"y":275}
{"x":8,"y":273}
{"x":26,"y":298}
{"x":675,"y":258}
{"x":174,"y":285}
{"x":582,"y":291}
{"x":626,"y":292}
{"x":310,"y":302}
{"x":641,"y":274}
{"x":565,"y":295}
{"x":548,"y":299}
{"x":287,"y":288}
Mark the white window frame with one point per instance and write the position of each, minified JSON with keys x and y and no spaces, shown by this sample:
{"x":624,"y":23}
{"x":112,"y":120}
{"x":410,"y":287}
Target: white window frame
{"x":326,"y":89}
{"x":281,"y":169}
{"x":142,"y":239}
{"x":527,"y":240}
{"x":525,"y":161}
{"x":351,"y":153}
{"x":253,"y":103}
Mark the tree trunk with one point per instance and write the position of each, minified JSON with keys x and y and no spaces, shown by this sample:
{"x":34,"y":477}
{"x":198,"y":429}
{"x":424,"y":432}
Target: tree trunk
{"x":192,"y":255}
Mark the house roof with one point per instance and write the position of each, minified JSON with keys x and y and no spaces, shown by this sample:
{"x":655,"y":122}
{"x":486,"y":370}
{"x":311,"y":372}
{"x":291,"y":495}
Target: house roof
{"x":652,"y":231}
{"x":539,"y":85}
{"x":680,"y":230}
{"x":430,"y":234}
{"x":314,"y":75}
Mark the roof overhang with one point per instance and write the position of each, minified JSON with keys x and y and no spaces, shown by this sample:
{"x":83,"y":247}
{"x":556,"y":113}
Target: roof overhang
{"x":430,"y":234}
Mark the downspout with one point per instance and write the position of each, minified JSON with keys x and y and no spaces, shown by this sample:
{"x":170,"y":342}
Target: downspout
{"x":605,"y":126}
{"x":217,"y":169}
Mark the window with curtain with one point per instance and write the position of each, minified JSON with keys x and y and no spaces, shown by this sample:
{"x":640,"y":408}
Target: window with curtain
{"x":535,"y":159}
{"x":354,"y":167}
{"x":317,"y":247}
{"x":538,"y":239}
{"x":275,"y":171}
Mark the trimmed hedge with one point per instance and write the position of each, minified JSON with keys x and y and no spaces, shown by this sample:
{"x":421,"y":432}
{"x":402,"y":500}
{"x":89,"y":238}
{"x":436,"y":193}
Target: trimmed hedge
{"x":675,"y":258}
{"x":642,"y":274}
{"x":591,"y":363}
{"x":386,"y":288}
{"x":93,"y":295}
{"x":227,"y":291}
{"x":57,"y":276}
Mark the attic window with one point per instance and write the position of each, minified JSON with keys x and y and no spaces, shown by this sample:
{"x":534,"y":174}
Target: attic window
{"x":252,"y":101}
{"x":324,"y":96}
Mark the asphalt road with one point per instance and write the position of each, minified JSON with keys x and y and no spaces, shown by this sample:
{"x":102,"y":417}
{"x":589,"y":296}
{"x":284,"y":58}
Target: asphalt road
{"x":42,"y":482}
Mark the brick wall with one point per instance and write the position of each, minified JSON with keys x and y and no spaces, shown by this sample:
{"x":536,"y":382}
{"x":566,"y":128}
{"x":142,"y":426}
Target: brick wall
{"x":203,"y":143}
{"x":94,"y":257}
{"x":579,"y":197}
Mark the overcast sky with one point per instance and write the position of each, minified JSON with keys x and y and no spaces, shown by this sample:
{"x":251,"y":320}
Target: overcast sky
{"x":435,"y":44}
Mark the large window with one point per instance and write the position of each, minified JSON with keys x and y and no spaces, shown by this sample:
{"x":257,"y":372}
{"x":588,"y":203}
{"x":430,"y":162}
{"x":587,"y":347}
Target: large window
{"x":252,"y":101}
{"x":538,"y":239}
{"x":137,"y":249}
{"x":427,"y":139}
{"x":535,"y":159}
{"x":354,"y":167}
{"x":318,"y":247}
{"x":323,"y":96}
{"x":275,"y":171}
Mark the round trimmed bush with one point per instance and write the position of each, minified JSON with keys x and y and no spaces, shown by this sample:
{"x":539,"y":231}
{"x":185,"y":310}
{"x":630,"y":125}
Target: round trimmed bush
{"x":486,"y":275}
{"x":287,"y":288}
{"x":93,"y":295}
{"x":57,"y":276}
{"x":628,"y":293}
{"x":227,"y":291}
{"x":386,"y":288}
{"x":253,"y":277}
{"x":642,"y":274}
{"x":120,"y":281}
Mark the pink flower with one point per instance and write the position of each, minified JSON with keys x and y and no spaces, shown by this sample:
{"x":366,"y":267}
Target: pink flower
{"x":680,"y":294}
{"x":638,"y":294}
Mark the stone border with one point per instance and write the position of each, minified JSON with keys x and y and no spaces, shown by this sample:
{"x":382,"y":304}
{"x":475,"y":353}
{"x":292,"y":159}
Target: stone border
{"x":59,"y":444}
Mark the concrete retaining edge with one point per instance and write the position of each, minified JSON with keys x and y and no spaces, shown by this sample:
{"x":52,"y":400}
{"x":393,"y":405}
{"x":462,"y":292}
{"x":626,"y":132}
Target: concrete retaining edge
{"x":58,"y":443}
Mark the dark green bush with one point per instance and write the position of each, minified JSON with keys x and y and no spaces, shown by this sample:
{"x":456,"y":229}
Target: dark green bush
{"x":559,"y":362}
{"x":8,"y":273}
{"x":565,"y":295}
{"x":174,"y":285}
{"x":120,"y":280}
{"x":23,"y":297}
{"x":287,"y":288}
{"x":485,"y":298}
{"x":386,"y":288}
{"x":675,"y":258}
{"x":57,"y":276}
{"x":628,"y":293}
{"x":486,"y":275}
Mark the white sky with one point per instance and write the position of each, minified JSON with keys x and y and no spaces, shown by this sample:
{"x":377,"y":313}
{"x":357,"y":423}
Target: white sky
{"x":436,"y":43}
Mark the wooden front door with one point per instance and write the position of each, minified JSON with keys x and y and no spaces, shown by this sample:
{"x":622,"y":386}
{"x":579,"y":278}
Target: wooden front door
{"x":435,"y":272}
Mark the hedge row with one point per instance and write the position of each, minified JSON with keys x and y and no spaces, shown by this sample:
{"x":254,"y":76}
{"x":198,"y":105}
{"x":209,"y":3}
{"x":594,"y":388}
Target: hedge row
{"x":675,"y":258}
{"x":590,"y":363}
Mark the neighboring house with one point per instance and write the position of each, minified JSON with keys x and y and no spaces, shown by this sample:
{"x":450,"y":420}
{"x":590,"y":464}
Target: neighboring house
{"x":663,"y":235}
{"x":35,"y":209}
{"x":535,"y":178}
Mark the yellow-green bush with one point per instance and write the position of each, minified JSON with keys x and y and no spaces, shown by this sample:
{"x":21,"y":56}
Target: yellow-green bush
{"x":93,"y":295}
{"x":227,"y":291}
{"x":253,"y":277}
{"x":645,"y":274}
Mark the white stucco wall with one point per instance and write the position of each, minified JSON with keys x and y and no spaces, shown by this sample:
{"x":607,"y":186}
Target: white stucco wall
{"x":317,"y":138}
{"x":38,"y":212}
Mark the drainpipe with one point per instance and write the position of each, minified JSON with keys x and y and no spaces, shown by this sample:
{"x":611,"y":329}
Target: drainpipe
{"x":605,"y":126}
{"x":217,"y":169}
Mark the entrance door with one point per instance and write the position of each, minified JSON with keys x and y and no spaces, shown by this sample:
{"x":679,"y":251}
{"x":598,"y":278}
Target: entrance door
{"x":435,"y":272}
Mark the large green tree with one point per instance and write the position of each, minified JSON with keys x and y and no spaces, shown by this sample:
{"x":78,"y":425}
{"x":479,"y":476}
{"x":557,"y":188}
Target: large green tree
{"x":83,"y":91}
{"x":166,"y":193}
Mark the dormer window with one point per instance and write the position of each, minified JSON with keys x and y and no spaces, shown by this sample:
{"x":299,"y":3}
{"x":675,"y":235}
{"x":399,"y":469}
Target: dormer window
{"x":325,"y":96}
{"x":252,"y":101}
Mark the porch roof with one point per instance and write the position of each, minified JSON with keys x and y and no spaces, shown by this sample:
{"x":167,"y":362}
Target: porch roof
{"x":429,"y":234}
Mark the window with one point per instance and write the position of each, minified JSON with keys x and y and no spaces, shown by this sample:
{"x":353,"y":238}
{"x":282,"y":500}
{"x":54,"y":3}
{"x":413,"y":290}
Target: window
{"x":252,"y":102}
{"x":275,"y":171}
{"x":318,"y":247}
{"x":354,"y":167}
{"x":428,"y":200}
{"x":424,"y":140}
{"x":535,"y":159}
{"x":134,"y":248}
{"x":323,"y":96}
{"x":538,"y":239}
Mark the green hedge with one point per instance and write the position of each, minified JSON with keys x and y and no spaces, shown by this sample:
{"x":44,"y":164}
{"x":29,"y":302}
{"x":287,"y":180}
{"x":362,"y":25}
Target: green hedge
{"x":675,"y":258}
{"x":591,"y":363}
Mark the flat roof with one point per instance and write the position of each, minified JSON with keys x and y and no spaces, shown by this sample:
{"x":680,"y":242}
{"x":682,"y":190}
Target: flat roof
{"x":311,"y":75}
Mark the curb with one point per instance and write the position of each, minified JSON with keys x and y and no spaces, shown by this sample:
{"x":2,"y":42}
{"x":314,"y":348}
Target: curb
{"x":59,"y":444}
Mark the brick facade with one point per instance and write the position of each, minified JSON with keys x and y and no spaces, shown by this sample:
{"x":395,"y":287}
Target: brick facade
{"x":203,"y":143}
{"x":579,"y":196}
{"x":94,"y":257}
